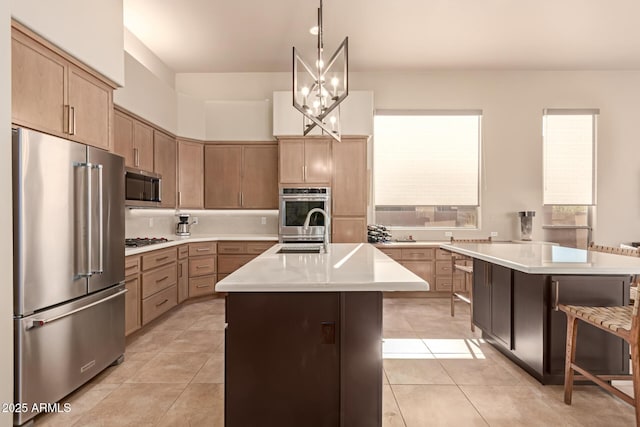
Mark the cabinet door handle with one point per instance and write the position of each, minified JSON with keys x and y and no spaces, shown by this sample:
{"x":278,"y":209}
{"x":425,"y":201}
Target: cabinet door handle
{"x":73,"y":120}
{"x":179,"y":198}
{"x":328,"y":330}
{"x":162,"y":258}
{"x":239,"y":198}
{"x":198,"y":267}
{"x":162,"y":280}
{"x":136,"y":157}
{"x":202,"y":286}
{"x":555,"y":290}
{"x":202,"y":249}
{"x":163,"y":302}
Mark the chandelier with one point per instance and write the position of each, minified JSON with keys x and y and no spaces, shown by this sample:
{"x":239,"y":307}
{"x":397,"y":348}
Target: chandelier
{"x":319,"y":90}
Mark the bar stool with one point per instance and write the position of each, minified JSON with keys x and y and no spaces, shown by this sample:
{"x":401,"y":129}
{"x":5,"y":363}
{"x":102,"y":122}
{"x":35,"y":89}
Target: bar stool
{"x":460,"y":263}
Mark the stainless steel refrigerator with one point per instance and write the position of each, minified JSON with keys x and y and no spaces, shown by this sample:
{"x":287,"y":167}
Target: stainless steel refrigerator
{"x":68,"y":237}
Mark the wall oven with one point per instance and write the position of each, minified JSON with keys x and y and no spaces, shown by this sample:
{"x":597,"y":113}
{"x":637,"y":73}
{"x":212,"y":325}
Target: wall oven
{"x":295,"y":203}
{"x":142,"y":189}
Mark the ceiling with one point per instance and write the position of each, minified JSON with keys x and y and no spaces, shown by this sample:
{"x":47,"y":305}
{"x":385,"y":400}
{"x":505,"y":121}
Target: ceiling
{"x":391,"y":35}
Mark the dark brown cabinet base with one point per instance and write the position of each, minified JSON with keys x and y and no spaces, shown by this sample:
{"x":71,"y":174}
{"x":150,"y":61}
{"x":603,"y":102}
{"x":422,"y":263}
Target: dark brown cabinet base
{"x":303,"y":359}
{"x":515,"y":312}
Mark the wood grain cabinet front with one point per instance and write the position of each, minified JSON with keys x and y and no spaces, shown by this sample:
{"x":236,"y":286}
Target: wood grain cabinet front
{"x":132,"y":299}
{"x":51,"y":92}
{"x":159,"y":282}
{"x":190,"y":174}
{"x":305,"y":161}
{"x":202,"y":268}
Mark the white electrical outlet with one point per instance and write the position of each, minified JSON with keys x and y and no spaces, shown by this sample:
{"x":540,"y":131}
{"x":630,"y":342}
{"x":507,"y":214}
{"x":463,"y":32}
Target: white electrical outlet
{"x":150,"y":222}
{"x":195,"y":220}
{"x":263,"y":220}
{"x":448,"y":234}
{"x":494,"y":234}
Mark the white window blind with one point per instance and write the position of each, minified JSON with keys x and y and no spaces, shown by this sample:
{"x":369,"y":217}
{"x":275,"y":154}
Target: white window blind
{"x":569,"y":162}
{"x":426,"y":158}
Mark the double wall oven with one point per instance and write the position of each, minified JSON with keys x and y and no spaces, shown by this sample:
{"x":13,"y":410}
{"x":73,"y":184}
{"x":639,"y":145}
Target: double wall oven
{"x":295,"y":203}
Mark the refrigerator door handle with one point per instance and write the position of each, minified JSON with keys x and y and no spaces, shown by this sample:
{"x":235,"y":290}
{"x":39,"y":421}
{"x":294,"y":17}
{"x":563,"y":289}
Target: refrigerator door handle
{"x":100,"y":269}
{"x":86,"y":219}
{"x":88,"y":242}
{"x":42,"y":322}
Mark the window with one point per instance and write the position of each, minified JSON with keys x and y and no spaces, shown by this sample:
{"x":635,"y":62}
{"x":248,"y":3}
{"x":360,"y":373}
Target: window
{"x":426,"y":168}
{"x":569,"y":141}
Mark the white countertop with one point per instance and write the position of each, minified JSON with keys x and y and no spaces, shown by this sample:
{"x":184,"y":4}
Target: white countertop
{"x":178,"y":240}
{"x":541,"y":258}
{"x":347,"y":267}
{"x":393,"y":244}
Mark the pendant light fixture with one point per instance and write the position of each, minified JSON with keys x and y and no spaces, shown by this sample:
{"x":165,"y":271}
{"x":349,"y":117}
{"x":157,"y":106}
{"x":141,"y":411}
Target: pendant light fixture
{"x":319,"y":90}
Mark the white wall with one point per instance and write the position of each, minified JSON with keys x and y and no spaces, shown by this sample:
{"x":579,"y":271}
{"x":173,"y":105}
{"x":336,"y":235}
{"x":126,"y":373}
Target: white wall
{"x":191,"y":117}
{"x":134,"y":47}
{"x":148,"y":96}
{"x":512,"y":104}
{"x":6,"y":244}
{"x":239,"y":120}
{"x":91,"y":31}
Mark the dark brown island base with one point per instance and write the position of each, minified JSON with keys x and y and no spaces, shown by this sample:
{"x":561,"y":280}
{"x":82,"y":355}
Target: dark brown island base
{"x":303,"y":342}
{"x":516,"y":288}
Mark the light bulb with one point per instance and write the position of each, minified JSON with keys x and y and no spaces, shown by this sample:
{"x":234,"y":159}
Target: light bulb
{"x":314,"y":30}
{"x":305,"y":91}
{"x":332,"y":119}
{"x":319,"y":64}
{"x":316,"y":103}
{"x":335,"y":82}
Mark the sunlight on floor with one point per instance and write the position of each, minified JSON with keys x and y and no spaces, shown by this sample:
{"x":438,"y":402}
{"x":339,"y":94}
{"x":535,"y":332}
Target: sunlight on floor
{"x":417,"y":348}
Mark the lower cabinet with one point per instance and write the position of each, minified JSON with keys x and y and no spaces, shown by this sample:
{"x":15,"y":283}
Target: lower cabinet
{"x":132,"y":321}
{"x":183,"y":273}
{"x":158,"y":283}
{"x":492,"y":289}
{"x":233,"y":255}
{"x":420,"y":260}
{"x":202,"y":268}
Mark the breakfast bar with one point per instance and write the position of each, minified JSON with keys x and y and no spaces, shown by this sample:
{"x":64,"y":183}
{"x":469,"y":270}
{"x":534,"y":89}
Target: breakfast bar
{"x":303,"y":341}
{"x":517,"y":287}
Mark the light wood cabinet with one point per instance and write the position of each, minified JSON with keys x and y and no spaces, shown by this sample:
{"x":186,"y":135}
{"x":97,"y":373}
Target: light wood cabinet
{"x":158,"y":284}
{"x":190,"y":174}
{"x":349,"y":190}
{"x":349,"y":230}
{"x":305,"y":161}
{"x":132,"y":299}
{"x":202,"y":268}
{"x":233,"y":255}
{"x":183,"y":273}
{"x":241,"y":176}
{"x":51,"y":93}
{"x":133,"y":141}
{"x":164,"y":161}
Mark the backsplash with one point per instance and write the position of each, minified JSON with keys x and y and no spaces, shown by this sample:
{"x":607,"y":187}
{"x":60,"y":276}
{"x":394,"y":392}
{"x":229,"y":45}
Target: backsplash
{"x":162,"y":222}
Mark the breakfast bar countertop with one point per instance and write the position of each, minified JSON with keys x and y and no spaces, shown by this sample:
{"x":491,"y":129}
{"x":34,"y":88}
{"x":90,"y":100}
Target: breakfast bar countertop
{"x":348,"y":267}
{"x":541,"y":258}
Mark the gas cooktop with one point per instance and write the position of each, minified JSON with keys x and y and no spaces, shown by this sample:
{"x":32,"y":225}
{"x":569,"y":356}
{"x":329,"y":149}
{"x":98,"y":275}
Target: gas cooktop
{"x":143,"y":241}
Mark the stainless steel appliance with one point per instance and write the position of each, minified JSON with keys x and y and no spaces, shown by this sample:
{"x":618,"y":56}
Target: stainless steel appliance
{"x":142,"y":188}
{"x":182,"y":227}
{"x":137,"y":242}
{"x":295,"y":204}
{"x":68,"y":235}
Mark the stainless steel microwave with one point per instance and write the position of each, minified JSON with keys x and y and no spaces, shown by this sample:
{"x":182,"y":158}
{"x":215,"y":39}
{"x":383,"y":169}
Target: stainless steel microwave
{"x":142,"y":188}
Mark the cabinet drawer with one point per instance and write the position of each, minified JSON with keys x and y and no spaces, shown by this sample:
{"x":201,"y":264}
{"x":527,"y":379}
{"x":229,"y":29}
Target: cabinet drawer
{"x":132,"y":305}
{"x":202,"y":248}
{"x":395,"y":254}
{"x":443,"y":268}
{"x":131,"y":265}
{"x":157,"y":280}
{"x":418,"y":253}
{"x":157,"y":258}
{"x":441,"y":254}
{"x":444,"y":283}
{"x":232,"y":247}
{"x":202,"y":265}
{"x":159,"y":303}
{"x":230,"y":263}
{"x":422,"y":269}
{"x":258,"y":247}
{"x":204,"y":285}
{"x":183,"y":251}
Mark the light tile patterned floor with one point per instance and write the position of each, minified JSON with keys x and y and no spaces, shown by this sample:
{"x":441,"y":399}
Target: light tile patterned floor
{"x":436,"y":373}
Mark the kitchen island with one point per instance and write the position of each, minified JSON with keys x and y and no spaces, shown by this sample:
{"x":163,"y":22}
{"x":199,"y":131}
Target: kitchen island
{"x":516,"y":288}
{"x":303,"y":343}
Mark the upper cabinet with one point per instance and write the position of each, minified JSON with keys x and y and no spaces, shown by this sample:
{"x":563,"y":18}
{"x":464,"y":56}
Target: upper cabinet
{"x":305,"y":161}
{"x":349,"y":189}
{"x":133,"y":140}
{"x":241,"y":176}
{"x":50,"y":92}
{"x":356,"y":115}
{"x":164,"y":161}
{"x":190,"y":174}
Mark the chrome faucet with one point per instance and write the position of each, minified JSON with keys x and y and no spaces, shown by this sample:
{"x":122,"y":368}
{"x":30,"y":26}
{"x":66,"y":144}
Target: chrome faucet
{"x":327,"y":222}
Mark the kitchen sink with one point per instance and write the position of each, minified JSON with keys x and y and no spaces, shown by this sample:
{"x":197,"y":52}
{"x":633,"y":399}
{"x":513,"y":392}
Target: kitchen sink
{"x":300,"y":249}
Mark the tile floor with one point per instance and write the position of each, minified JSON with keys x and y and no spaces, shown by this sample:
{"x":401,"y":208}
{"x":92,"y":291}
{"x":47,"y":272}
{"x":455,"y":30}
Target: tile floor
{"x":436,"y":373}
